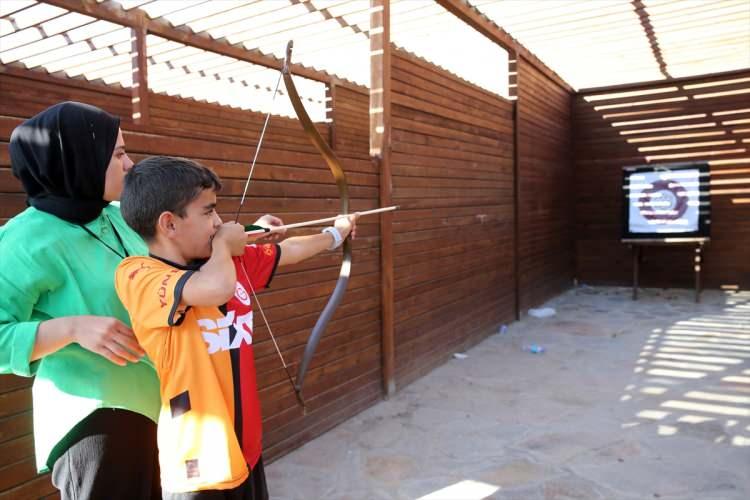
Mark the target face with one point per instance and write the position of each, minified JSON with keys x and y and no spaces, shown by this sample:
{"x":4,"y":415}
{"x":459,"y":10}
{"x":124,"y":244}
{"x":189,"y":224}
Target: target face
{"x":664,"y":201}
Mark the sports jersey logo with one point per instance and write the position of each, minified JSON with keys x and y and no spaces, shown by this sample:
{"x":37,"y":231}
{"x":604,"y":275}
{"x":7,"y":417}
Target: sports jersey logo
{"x":162,"y":293}
{"x":268,"y":249}
{"x":217,"y":336}
{"x":131,"y":276}
{"x":241,"y":294}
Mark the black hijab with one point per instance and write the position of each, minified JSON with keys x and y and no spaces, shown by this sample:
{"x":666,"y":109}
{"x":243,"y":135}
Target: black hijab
{"x":61,"y":157}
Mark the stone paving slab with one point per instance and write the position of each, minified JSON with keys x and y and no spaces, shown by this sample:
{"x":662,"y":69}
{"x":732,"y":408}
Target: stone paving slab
{"x":631,"y":400}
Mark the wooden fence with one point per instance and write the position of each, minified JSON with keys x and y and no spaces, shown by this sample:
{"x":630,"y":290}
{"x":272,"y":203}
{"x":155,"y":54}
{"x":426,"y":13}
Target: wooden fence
{"x":454,"y":243}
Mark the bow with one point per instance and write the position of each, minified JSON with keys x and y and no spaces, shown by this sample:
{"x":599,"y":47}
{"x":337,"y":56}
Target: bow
{"x":338,"y":173}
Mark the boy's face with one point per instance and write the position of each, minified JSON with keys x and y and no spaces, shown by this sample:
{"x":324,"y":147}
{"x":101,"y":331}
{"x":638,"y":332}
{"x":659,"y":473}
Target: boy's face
{"x":196,"y":230}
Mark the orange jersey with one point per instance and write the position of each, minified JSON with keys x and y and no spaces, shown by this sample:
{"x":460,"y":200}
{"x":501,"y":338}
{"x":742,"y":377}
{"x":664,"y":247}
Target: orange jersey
{"x":209,"y":424}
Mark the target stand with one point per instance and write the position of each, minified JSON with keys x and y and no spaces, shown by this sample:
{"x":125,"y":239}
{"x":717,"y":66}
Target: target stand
{"x":696,"y":244}
{"x":667,"y":205}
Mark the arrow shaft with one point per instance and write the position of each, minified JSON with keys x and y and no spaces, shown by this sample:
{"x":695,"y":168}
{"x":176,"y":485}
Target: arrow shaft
{"x":276,"y":229}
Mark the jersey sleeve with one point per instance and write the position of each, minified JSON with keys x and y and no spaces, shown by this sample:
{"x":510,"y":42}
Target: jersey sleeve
{"x":151,"y":292}
{"x":260,"y":262}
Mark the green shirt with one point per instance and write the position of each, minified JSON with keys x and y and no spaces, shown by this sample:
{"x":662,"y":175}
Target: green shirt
{"x":50,"y":268}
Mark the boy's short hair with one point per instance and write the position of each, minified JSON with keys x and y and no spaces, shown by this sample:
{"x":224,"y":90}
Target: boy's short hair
{"x":162,"y":184}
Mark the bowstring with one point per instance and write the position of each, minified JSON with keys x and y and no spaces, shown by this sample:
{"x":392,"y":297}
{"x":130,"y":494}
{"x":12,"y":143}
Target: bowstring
{"x":257,"y":149}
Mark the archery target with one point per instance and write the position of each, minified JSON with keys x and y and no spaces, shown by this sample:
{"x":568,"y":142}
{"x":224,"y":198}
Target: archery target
{"x":664,"y":201}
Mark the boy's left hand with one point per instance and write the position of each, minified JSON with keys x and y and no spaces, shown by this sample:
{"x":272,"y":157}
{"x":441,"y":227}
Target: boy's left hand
{"x":269,"y":221}
{"x":347,"y":225}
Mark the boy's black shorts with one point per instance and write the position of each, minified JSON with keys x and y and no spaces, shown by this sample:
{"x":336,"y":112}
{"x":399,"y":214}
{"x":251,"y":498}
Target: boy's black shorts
{"x":254,"y":488}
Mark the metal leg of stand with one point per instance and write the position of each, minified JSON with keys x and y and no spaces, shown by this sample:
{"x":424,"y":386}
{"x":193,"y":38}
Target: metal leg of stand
{"x":636,"y":262}
{"x":698,"y":265}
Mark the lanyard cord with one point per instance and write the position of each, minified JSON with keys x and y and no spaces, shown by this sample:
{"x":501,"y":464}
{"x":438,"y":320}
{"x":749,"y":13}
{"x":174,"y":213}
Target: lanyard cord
{"x":117,"y":235}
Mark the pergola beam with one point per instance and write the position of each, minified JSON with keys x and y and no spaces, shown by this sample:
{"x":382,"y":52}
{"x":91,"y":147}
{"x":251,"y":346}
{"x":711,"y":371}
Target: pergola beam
{"x":648,"y":28}
{"x":483,"y":25}
{"x":112,"y":12}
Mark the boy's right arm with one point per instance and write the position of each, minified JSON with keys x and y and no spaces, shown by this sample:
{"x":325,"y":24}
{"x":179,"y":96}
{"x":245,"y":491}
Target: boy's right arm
{"x":215,"y":282}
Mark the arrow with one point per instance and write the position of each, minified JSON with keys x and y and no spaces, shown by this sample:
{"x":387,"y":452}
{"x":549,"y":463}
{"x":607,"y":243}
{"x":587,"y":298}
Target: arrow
{"x":257,"y":230}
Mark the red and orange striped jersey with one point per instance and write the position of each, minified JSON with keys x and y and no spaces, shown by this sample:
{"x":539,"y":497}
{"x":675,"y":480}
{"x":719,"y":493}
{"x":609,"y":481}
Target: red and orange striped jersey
{"x":210,"y":421}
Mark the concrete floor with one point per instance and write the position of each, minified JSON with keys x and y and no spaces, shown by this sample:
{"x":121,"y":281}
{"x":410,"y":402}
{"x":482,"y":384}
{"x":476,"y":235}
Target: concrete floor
{"x":631,"y":400}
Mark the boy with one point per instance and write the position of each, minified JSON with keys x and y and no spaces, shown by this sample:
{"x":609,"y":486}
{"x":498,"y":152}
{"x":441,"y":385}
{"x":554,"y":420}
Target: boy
{"x":193,"y":317}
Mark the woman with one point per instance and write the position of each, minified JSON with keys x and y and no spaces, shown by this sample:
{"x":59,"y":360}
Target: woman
{"x":96,"y":399}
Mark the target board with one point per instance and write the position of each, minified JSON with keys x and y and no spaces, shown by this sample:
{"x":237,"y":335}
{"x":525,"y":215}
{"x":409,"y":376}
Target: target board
{"x":666,"y":201}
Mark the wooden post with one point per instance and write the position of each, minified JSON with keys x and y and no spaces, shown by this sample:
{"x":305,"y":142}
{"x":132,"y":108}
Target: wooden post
{"x":513,"y":79}
{"x":139,"y":96}
{"x":330,"y":112}
{"x":380,"y":153}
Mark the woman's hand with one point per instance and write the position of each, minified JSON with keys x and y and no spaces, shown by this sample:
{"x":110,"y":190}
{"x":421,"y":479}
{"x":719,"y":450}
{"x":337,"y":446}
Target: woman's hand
{"x":104,"y":335}
{"x":108,"y":337}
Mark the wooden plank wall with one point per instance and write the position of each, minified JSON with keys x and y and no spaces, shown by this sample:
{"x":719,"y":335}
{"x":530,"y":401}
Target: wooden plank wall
{"x":687,"y":120}
{"x":453,"y":237}
{"x":292,"y":181}
{"x":452,"y":167}
{"x":546,"y":197}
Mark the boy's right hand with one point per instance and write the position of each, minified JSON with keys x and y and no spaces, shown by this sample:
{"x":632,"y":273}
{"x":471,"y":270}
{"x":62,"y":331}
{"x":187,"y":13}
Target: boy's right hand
{"x":232,"y":234}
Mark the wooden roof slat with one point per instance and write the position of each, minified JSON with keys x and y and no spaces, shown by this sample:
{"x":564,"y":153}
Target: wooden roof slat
{"x":113,"y":64}
{"x":93,"y":30}
{"x":6,"y":27}
{"x":35,"y":14}
{"x":705,"y":12}
{"x":592,"y":32}
{"x":281,"y":12}
{"x":9,"y":8}
{"x":63,"y":52}
{"x":588,"y":43}
{"x":33,"y":48}
{"x":18,"y":39}
{"x":162,"y":8}
{"x":256,"y":35}
{"x":65,"y":23}
{"x":194,"y":13}
{"x":528,"y":13}
{"x":582,"y":20}
{"x":312,"y":34}
{"x":71,"y":64}
{"x":235,"y":13}
{"x":348,"y":8}
{"x":113,"y":13}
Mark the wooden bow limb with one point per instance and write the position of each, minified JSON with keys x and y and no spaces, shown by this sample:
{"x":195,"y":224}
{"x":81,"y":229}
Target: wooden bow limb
{"x":262,"y":231}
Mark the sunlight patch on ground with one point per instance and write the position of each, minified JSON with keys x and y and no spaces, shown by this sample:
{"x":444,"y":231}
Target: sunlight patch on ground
{"x":708,"y":356}
{"x":464,"y":490}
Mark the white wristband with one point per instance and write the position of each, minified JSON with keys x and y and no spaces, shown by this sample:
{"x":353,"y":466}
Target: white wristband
{"x":337,"y":239}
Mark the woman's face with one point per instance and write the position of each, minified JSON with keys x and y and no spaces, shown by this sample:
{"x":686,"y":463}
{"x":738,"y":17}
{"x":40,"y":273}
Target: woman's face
{"x":119,"y":165}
